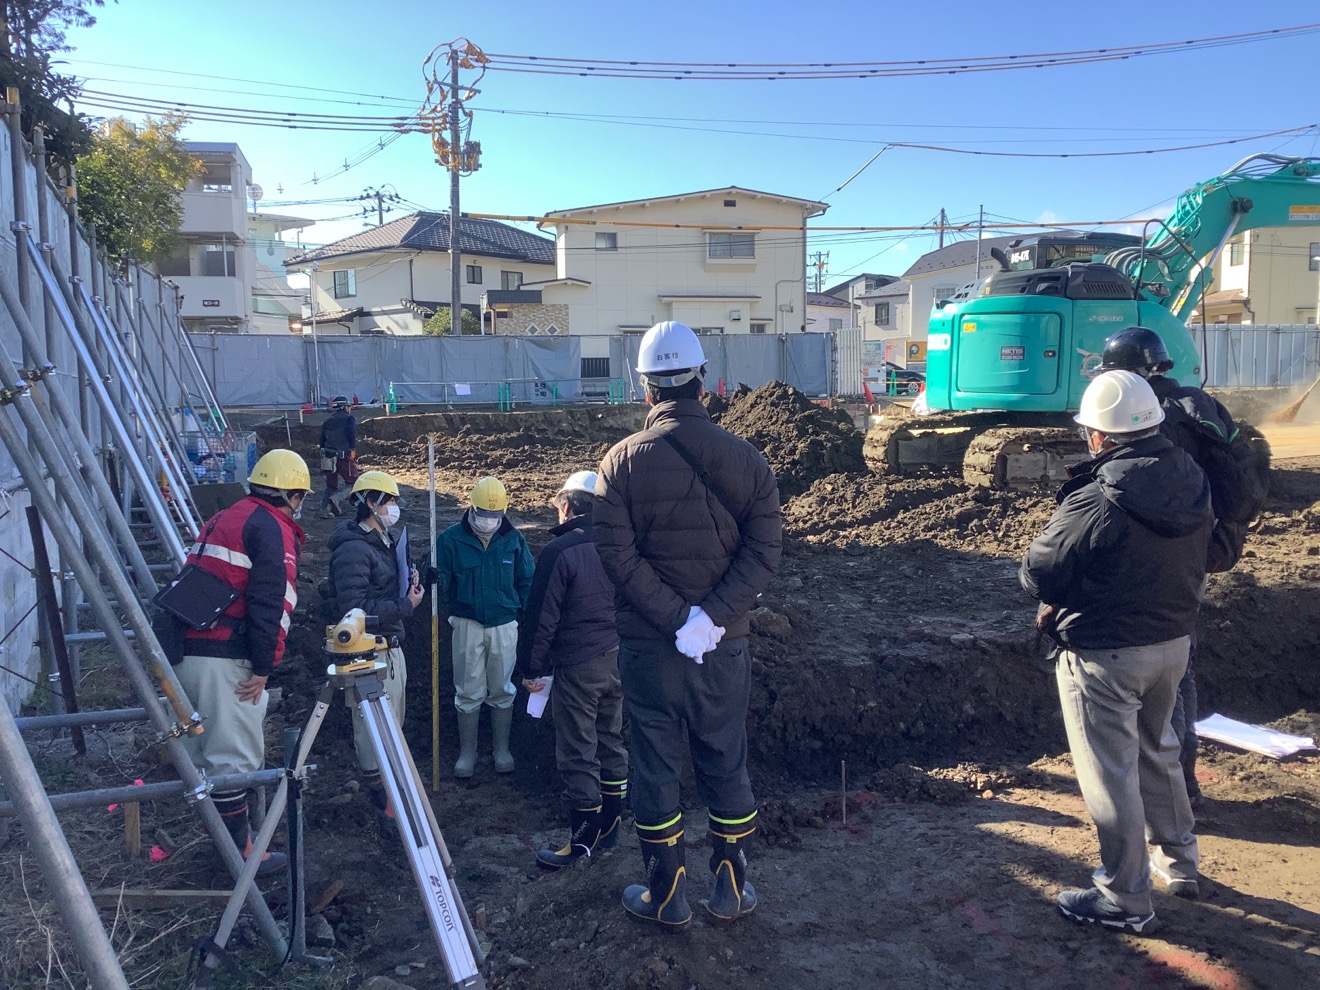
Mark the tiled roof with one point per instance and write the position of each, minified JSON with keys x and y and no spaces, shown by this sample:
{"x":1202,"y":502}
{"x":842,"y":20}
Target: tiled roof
{"x":835,"y":289}
{"x":898,"y":287}
{"x":825,"y":299}
{"x":430,"y":232}
{"x":734,"y":191}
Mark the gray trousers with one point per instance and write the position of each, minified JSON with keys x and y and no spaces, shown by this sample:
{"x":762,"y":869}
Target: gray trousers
{"x":1116,"y":708}
{"x":587,"y":705}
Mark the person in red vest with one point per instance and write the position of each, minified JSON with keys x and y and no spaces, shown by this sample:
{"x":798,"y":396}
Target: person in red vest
{"x":253,"y":546}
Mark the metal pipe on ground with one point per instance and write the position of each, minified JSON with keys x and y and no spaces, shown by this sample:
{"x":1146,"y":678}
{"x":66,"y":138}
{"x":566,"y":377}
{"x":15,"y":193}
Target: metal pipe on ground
{"x":101,"y":551}
{"x":146,"y":792}
{"x":47,"y":842}
{"x":111,"y":716}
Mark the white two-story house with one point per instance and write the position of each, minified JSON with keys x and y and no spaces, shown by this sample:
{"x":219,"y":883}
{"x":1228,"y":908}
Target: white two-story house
{"x":727,"y":260}
{"x":1266,"y":276}
{"x":391,"y":279}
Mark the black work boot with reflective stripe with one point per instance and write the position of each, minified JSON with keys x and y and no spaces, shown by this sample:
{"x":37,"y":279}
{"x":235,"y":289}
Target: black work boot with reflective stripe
{"x":733,"y":896}
{"x":664,"y":897}
{"x":233,"y":808}
{"x":612,"y":795}
{"x":584,"y":830}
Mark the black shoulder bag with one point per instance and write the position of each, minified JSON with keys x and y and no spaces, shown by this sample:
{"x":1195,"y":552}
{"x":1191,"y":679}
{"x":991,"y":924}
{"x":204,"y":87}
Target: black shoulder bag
{"x":194,"y":599}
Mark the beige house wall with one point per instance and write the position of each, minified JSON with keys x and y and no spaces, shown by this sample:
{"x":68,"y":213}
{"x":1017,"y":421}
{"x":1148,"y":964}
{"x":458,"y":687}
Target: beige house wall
{"x":1274,"y":275}
{"x":661,"y":273}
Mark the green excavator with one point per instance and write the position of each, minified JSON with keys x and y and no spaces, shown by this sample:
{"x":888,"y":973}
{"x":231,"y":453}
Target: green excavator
{"x":1010,"y":355}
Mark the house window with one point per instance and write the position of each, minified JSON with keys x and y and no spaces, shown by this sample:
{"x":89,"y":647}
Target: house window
{"x":730,"y":202}
{"x":597,"y":367}
{"x":217,"y":177}
{"x":1235,"y":251}
{"x":882,"y":314}
{"x":218,"y":260}
{"x":868,"y":284}
{"x":345,"y":283}
{"x":760,"y":327}
{"x":511,"y":280}
{"x":607,"y":242}
{"x":474,"y":274}
{"x":1313,"y":256}
{"x":945,"y":292}
{"x":836,"y":323}
{"x":731,"y":245}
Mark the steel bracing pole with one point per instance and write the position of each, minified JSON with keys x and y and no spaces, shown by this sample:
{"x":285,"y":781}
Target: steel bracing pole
{"x":166,"y":526}
{"x":92,"y":472}
{"x":102,"y":552}
{"x":206,"y":391}
{"x":159,"y":790}
{"x":47,"y":842}
{"x":153,"y":430}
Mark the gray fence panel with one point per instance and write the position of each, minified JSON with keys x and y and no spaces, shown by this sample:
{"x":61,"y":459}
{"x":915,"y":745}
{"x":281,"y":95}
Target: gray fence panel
{"x":546,"y":360}
{"x":255,"y":370}
{"x":349,"y":366}
{"x":416,"y":366}
{"x":753,"y":360}
{"x":808,"y":360}
{"x":1245,"y":356}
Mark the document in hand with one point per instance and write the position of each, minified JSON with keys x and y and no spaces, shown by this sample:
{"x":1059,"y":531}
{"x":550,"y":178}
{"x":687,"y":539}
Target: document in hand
{"x":536,"y":700}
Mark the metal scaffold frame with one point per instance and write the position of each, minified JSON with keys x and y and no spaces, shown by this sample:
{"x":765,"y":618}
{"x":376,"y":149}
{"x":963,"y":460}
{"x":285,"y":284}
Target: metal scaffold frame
{"x":103,"y":463}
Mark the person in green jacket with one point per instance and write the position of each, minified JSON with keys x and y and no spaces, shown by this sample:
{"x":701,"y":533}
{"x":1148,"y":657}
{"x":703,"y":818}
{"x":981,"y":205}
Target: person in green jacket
{"x":484,"y":573}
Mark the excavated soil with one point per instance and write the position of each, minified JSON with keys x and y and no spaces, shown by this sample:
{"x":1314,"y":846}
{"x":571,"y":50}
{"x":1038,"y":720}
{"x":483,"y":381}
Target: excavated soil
{"x":919,"y":811}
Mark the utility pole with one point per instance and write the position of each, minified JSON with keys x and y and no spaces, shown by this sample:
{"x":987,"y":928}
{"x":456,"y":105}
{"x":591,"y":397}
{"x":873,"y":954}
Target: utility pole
{"x":444,"y":111}
{"x":455,"y":159}
{"x":943,"y":222}
{"x":819,"y":261}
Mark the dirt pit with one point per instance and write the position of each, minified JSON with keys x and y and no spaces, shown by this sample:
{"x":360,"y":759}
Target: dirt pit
{"x":919,"y":810}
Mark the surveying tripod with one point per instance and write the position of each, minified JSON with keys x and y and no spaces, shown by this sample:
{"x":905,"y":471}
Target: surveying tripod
{"x":361,"y":677}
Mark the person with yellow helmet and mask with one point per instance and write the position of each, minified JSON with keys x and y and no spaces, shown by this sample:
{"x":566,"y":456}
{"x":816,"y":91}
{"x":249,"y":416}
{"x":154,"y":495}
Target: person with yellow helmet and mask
{"x":484,"y":573}
{"x":253,"y":546}
{"x":364,"y":573}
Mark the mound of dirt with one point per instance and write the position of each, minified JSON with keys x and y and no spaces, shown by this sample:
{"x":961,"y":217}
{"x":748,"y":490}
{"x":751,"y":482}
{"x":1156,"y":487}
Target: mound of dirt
{"x":802,"y":441}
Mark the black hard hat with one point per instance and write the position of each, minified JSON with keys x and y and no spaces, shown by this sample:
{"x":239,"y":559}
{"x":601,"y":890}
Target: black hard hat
{"x":1136,"y":349}
{"x":340,"y":401}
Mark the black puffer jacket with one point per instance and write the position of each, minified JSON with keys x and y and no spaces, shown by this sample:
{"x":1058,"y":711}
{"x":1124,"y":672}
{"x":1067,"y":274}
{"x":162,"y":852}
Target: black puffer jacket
{"x":569,"y":617}
{"x":364,"y":573}
{"x":668,"y":543}
{"x":1185,"y":408}
{"x":1124,"y":555}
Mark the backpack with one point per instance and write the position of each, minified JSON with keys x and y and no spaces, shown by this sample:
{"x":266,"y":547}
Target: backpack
{"x":1238,"y":469}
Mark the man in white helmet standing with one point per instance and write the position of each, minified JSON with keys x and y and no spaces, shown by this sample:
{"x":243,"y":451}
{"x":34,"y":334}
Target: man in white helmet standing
{"x":688,"y":527}
{"x":568,"y":645}
{"x":1118,"y":570}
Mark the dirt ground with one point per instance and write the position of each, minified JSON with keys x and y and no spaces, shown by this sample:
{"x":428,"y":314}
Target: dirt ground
{"x":894,"y":647}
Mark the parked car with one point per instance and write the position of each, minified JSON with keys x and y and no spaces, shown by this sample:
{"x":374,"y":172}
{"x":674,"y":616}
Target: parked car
{"x":904,"y":382}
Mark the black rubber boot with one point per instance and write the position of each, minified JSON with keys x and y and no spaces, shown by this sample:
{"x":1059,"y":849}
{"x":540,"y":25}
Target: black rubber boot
{"x":733,"y":896}
{"x":376,"y":793}
{"x":233,"y":808}
{"x":584,"y":830}
{"x":664,"y":897}
{"x":612,"y":795}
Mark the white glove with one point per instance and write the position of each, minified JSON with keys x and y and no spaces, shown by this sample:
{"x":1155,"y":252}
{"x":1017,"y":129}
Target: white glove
{"x":697,"y":636}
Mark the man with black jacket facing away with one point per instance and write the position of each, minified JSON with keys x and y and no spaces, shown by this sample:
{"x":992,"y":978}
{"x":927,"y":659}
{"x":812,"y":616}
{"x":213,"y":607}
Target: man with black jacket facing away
{"x":567,"y":632}
{"x":689,"y":531}
{"x":1191,"y":418}
{"x":1119,"y":569}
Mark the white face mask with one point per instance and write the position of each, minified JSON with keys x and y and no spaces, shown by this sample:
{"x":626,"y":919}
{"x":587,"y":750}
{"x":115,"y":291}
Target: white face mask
{"x":483,"y":525}
{"x":389,"y":515}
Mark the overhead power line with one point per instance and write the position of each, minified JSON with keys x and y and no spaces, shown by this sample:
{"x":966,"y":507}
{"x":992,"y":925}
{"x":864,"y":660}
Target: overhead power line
{"x":776,"y":71}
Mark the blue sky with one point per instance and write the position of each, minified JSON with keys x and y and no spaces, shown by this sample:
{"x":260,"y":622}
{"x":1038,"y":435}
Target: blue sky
{"x":593,"y":140}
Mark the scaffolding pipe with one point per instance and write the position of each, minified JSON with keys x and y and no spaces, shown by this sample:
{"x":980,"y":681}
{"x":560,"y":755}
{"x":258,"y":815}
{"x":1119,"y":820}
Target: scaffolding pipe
{"x":111,"y":716}
{"x":154,"y":431}
{"x":92,"y":473}
{"x":207,"y":390}
{"x":101,"y":551}
{"x":46,"y":840}
{"x":160,"y":790}
{"x":166,"y":526}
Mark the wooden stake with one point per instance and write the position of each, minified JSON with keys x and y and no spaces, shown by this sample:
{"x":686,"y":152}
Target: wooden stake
{"x":843,"y":789}
{"x":133,"y":828}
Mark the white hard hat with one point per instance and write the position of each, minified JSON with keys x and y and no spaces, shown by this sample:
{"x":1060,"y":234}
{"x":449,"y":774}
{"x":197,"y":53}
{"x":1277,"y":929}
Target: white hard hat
{"x":580,"y":481}
{"x":670,"y":355}
{"x":1118,"y":402}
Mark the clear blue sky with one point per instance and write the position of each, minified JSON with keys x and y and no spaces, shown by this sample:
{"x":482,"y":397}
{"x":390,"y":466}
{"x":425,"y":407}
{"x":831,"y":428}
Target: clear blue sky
{"x":798,"y":138}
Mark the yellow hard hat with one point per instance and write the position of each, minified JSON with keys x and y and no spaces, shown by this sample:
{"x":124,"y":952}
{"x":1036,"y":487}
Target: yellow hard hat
{"x":376,"y":481}
{"x":282,"y":469}
{"x":489,"y":494}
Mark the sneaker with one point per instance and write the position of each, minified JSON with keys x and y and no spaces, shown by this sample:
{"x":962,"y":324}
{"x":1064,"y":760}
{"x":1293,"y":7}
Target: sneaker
{"x":1188,"y":889}
{"x":1091,"y":906}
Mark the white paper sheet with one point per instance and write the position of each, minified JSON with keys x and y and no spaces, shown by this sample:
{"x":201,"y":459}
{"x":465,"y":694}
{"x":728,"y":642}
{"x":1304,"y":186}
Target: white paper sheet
{"x":462,"y":389}
{"x":1255,"y":738}
{"x":536,"y":700}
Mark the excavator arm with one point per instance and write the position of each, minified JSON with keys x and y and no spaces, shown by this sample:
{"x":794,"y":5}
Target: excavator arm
{"x":1175,"y":264}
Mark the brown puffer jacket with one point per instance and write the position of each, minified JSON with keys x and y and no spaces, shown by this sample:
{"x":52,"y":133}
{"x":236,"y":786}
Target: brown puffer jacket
{"x":667,"y":543}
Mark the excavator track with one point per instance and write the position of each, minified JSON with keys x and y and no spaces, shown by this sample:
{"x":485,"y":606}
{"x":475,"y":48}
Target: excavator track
{"x":1021,"y":458}
{"x":917,"y":444}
